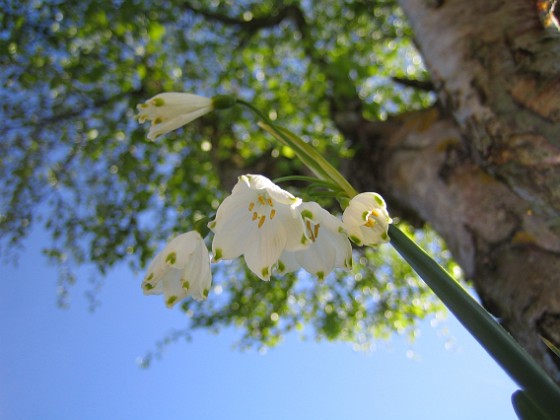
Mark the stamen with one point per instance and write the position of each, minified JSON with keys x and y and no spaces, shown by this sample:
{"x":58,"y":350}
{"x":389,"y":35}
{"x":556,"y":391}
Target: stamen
{"x":316,"y":230}
{"x":255,"y":216}
{"x":370,"y":222}
{"x":375,"y":213}
{"x":270,"y":203}
{"x":309,"y":230}
{"x":272,"y":214}
{"x":251,"y":206}
{"x":261,"y":200}
{"x":261,"y":222}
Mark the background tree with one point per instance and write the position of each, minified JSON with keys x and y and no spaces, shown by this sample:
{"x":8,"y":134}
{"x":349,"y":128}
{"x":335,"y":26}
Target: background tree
{"x":460,"y":134}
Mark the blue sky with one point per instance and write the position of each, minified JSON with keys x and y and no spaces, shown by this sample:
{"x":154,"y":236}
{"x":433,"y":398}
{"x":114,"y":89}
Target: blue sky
{"x":73,"y":364}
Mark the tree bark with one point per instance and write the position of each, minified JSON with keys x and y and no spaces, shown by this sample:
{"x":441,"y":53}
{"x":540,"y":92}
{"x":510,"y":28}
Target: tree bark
{"x":483,"y":167}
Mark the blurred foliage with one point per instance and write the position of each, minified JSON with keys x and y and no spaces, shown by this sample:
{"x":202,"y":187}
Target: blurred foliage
{"x":75,"y":161}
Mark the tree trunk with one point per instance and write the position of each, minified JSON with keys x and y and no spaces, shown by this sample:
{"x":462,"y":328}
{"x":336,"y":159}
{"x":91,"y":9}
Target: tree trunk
{"x":483,"y":168}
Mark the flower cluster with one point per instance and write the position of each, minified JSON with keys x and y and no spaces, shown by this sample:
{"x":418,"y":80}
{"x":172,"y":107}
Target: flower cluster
{"x":273,"y":231}
{"x":271,"y":228}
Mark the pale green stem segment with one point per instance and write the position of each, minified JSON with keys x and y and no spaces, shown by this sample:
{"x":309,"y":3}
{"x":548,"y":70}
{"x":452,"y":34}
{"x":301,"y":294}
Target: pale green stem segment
{"x":307,"y":154}
{"x":537,"y":386}
{"x":521,"y":367}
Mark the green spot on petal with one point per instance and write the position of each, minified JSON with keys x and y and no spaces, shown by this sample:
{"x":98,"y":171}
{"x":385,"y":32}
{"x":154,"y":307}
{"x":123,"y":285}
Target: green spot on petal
{"x":303,"y":239}
{"x":355,"y":239}
{"x":171,"y":258}
{"x":186,"y":285}
{"x":158,"y":102}
{"x":171,"y":300}
{"x":265,"y":272}
{"x":321,"y":275}
{"x":150,"y":276}
{"x":205,"y":293}
{"x":148,"y":286}
{"x":307,"y":214}
{"x":365,"y":215}
{"x":379,"y":200}
{"x":218,"y":254}
{"x":281,"y":266}
{"x":384,"y":236}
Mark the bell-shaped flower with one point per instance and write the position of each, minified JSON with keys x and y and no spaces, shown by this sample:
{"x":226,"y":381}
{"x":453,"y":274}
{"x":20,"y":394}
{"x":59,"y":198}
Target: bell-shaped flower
{"x":366,"y":219}
{"x":259,"y":220}
{"x":181,"y":269}
{"x":169,"y":111}
{"x":329,"y":248}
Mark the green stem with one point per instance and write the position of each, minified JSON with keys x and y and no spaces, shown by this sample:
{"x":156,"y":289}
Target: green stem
{"x":306,"y":153}
{"x":521,"y":367}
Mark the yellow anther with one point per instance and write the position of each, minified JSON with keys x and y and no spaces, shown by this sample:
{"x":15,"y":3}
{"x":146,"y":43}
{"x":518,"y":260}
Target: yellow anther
{"x":272,"y":214}
{"x":261,"y":200}
{"x":370,"y":222}
{"x":255,"y":216}
{"x":261,"y":222}
{"x":316,"y":230}
{"x":251,"y":206}
{"x":375,"y":213}
{"x":270,"y":203}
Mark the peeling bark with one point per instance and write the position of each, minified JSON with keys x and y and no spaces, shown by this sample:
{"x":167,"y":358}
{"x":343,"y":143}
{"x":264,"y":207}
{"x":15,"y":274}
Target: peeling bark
{"x":484,"y":168}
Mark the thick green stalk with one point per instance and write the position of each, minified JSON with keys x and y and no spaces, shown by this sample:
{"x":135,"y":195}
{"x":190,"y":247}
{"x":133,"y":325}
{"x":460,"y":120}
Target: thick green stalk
{"x":521,"y":367}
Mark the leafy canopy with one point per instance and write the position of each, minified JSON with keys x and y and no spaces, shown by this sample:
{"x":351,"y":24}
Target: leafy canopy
{"x":75,"y":160}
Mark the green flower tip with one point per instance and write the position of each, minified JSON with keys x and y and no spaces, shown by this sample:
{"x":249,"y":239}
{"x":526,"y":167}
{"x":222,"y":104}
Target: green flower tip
{"x":218,"y":254}
{"x":356,"y":240}
{"x":171,"y":300}
{"x":223,"y":101}
{"x":150,"y":276}
{"x":148,"y":286}
{"x":205,"y":293}
{"x":379,"y":200}
{"x":158,"y":102}
{"x":281,"y":266}
{"x":265,"y":272}
{"x":186,"y":285}
{"x":307,"y":214}
{"x":171,"y":258}
{"x":303,"y":239}
{"x":365,"y":215}
{"x":321,"y":275}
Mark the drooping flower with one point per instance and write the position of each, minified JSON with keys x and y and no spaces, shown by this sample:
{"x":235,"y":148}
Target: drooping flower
{"x":259,"y":220}
{"x":181,"y":269}
{"x":329,"y":246}
{"x":366,"y":219}
{"x":169,"y":111}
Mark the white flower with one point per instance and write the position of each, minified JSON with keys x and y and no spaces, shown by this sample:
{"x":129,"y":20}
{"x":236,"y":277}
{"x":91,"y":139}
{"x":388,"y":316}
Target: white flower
{"x":259,"y":220}
{"x":181,"y":269}
{"x":366,"y":219}
{"x":330,"y":246}
{"x":169,"y":111}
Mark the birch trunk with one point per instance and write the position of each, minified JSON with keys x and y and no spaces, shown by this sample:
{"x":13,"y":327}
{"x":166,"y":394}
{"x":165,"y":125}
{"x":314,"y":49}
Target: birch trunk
{"x":483,"y":167}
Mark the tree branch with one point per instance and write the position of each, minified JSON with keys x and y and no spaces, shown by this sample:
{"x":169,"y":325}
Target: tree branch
{"x":253,"y":24}
{"x":425,"y":85}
